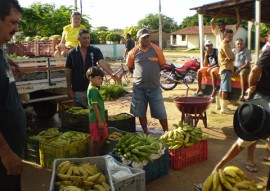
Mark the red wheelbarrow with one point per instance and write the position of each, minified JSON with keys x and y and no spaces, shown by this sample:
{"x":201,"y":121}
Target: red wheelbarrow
{"x":193,"y":109}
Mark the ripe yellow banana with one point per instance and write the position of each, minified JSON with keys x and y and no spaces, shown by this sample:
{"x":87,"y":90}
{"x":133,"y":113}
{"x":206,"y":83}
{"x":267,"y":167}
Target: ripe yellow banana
{"x":93,"y":178}
{"x":221,"y":176}
{"x":106,"y":186}
{"x":60,"y":165}
{"x":230,"y":172}
{"x":99,"y":187}
{"x":64,"y":168}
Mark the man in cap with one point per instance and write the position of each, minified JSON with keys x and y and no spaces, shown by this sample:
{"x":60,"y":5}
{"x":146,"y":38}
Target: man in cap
{"x":145,"y":61}
{"x":210,"y":67}
{"x":251,"y":120}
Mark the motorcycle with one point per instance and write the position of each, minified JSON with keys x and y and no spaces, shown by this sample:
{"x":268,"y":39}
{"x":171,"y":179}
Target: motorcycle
{"x":171,"y":75}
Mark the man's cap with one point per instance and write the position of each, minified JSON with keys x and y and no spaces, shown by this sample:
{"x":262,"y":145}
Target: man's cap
{"x":142,"y":33}
{"x":208,"y":42}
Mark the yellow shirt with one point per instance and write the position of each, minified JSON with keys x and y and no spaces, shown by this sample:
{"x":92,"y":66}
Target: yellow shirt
{"x":71,"y":35}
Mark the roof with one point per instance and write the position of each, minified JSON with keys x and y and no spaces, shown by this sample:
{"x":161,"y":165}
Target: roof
{"x":195,"y":30}
{"x":246,"y":9}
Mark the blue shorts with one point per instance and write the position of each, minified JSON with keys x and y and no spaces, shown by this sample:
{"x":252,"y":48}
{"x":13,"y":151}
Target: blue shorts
{"x":226,"y":81}
{"x":80,"y":99}
{"x":142,"y":97}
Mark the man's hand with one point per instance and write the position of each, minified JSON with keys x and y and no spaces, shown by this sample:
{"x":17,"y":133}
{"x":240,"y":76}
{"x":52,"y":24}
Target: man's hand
{"x":70,"y":93}
{"x":12,"y":163}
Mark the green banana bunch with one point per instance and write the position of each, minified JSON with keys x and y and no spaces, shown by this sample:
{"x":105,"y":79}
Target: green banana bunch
{"x":69,"y":137}
{"x":231,"y":178}
{"x":78,"y":110}
{"x":183,"y":136}
{"x":46,"y":136}
{"x":139,"y":147}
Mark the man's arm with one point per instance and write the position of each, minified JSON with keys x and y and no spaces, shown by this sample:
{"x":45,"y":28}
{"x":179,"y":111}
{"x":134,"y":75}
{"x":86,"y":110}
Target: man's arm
{"x":105,"y":66}
{"x":238,"y":18}
{"x":10,"y":160}
{"x":69,"y":79}
{"x":213,"y":20}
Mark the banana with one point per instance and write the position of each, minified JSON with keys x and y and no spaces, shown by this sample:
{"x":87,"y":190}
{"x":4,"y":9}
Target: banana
{"x":208,"y":183}
{"x":59,"y":166}
{"x":216,"y":181}
{"x":93,"y":178}
{"x":64,"y":168}
{"x":231,"y":180}
{"x":230,"y":172}
{"x":82,"y":171}
{"x":245,"y":184}
{"x":71,"y":188}
{"x":101,"y":179}
{"x":91,"y":169}
{"x":252,"y":188}
{"x":76,"y":171}
{"x":70,"y":170}
{"x":227,"y":185}
{"x":221,"y":176}
{"x":99,"y":187}
{"x":106,"y":186}
{"x":237,"y":170}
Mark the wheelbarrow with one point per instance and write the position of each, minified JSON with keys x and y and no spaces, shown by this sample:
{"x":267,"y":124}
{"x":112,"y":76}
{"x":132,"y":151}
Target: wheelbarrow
{"x":193,"y":109}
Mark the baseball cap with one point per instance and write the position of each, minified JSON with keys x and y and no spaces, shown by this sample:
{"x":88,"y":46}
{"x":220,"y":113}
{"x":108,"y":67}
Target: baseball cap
{"x":208,"y":42}
{"x":142,"y":33}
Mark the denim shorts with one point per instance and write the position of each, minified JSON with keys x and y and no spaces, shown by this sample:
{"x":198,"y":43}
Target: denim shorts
{"x":226,"y":81}
{"x":144,"y":96}
{"x":80,"y":99}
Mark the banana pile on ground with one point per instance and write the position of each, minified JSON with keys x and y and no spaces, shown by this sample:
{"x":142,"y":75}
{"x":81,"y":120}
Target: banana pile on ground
{"x":80,"y":177}
{"x":78,"y":110}
{"x":231,"y":178}
{"x":139,"y":149}
{"x":69,"y":137}
{"x":46,"y":136}
{"x":115,"y":136}
{"x":182,"y":136}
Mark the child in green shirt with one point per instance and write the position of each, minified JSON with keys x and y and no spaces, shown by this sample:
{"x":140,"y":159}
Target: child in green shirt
{"x":97,"y":121}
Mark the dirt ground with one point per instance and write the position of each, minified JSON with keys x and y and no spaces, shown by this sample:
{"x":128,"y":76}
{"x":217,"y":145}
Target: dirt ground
{"x":221,"y":137}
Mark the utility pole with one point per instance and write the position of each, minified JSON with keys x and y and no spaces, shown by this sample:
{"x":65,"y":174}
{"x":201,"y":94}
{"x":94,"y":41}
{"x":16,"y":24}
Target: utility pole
{"x":81,"y":6}
{"x":160,"y":26}
{"x":75,"y":5}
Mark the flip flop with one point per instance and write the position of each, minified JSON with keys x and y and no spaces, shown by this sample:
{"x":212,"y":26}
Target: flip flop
{"x":266,"y":159}
{"x":251,"y":168}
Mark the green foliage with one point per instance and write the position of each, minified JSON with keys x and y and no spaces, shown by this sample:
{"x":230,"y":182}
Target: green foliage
{"x":151,"y":22}
{"x":102,"y":35}
{"x":111,"y":92}
{"x":112,"y":36}
{"x":46,"y":20}
{"x":94,"y":37}
{"x":132,"y":31}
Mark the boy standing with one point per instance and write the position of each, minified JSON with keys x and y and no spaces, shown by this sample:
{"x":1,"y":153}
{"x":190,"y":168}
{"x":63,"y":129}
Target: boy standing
{"x":97,"y":121}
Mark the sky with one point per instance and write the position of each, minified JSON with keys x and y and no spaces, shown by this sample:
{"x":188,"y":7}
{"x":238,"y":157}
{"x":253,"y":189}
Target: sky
{"x":120,"y":14}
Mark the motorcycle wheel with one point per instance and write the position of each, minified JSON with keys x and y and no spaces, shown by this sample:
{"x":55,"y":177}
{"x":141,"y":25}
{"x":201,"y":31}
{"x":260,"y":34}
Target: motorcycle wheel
{"x":165,"y":82}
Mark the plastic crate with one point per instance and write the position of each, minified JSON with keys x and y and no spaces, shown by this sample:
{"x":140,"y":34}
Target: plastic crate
{"x":50,"y":152}
{"x":74,"y":122}
{"x":134,"y":183}
{"x":127,"y":124}
{"x":185,"y":157}
{"x":110,"y":144}
{"x":31,"y":151}
{"x":155,"y":170}
{"x":100,"y":162}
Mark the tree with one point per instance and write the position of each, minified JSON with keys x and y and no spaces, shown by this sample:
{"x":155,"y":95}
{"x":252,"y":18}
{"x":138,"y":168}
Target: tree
{"x":46,"y":20}
{"x":151,"y":22}
{"x":132,"y":31}
{"x":112,"y":36}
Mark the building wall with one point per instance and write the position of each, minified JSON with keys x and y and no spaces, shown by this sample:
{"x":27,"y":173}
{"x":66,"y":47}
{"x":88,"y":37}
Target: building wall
{"x":112,"y":51}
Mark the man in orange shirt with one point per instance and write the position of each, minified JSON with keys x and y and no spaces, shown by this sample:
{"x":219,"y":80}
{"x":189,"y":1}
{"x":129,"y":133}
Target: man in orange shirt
{"x":145,"y":62}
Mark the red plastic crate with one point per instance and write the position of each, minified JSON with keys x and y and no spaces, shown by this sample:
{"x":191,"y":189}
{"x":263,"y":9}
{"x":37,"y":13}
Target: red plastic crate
{"x":184,"y":157}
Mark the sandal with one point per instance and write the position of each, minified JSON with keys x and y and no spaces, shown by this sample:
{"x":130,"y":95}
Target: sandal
{"x":267,"y":159}
{"x":251,"y":167}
